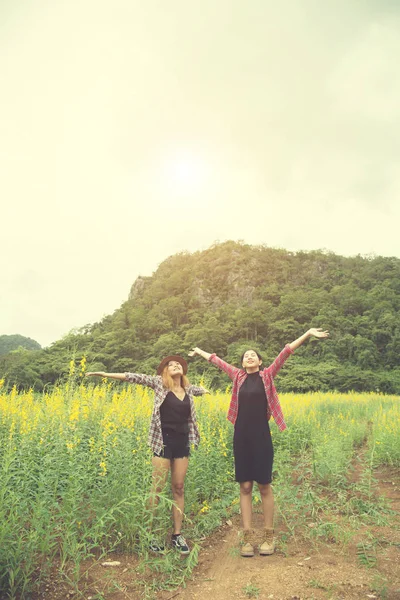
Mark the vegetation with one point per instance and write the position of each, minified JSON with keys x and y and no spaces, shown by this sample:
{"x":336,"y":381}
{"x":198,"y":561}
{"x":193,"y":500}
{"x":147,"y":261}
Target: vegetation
{"x":233,"y":296}
{"x":12,"y":343}
{"x":75,"y":474}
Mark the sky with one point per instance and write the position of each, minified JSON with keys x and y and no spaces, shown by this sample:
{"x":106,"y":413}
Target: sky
{"x":131,"y":130}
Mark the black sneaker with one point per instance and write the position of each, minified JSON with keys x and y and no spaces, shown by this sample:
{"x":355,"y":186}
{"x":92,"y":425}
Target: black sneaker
{"x":179,"y":542}
{"x":154,"y":546}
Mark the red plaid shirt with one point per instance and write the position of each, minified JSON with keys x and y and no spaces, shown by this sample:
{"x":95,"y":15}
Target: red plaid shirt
{"x":155,"y":438}
{"x":238,"y":377}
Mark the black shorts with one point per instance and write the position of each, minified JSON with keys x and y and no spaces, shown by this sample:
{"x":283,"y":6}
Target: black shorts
{"x":176,"y":445}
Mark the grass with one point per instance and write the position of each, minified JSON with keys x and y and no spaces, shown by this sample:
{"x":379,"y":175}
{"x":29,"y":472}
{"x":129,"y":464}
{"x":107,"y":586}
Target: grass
{"x":75,"y":474}
{"x":251,"y":591}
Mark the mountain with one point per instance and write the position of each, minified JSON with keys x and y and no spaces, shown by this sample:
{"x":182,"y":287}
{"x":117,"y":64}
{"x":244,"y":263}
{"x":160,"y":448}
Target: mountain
{"x":233,"y":296}
{"x":10,"y":343}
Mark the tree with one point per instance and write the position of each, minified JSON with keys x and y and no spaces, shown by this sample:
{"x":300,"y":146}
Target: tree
{"x":232,"y":296}
{"x":8,"y":343}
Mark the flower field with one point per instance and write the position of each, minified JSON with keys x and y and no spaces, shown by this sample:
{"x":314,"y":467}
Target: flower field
{"x":75,"y":473}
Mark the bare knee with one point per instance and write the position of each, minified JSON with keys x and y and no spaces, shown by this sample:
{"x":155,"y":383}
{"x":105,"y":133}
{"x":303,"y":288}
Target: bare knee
{"x":178,"y":489}
{"x":157,"y":485}
{"x":246,"y":488}
{"x":265,"y":489}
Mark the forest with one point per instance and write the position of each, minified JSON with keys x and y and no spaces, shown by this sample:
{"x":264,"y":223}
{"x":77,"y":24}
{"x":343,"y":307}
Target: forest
{"x":11,"y":343}
{"x":234,"y":296}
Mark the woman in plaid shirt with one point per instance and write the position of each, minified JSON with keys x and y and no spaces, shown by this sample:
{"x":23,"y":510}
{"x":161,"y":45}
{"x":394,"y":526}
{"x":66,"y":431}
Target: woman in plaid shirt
{"x":173,"y":428}
{"x":254,"y":400}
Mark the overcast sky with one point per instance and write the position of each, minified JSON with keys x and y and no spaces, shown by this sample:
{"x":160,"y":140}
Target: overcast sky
{"x":131,"y":130}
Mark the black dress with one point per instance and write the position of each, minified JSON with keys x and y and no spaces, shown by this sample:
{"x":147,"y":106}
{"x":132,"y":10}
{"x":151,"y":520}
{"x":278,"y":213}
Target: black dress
{"x":252,"y":443}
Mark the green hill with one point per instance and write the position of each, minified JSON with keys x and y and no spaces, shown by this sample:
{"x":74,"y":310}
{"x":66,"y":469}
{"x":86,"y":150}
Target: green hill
{"x":232,"y":296}
{"x":10,"y":343}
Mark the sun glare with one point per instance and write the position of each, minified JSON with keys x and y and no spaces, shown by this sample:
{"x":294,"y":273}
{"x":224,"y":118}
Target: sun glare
{"x":185,"y":172}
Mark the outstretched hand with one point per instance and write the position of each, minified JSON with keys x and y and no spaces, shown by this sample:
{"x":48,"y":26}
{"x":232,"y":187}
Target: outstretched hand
{"x":197,"y":351}
{"x":98,"y":373}
{"x":318,"y":332}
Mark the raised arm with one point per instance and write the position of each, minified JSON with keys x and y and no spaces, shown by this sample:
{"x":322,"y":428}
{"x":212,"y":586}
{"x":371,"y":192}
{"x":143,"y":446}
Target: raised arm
{"x":279,"y":361}
{"x":198,"y":390}
{"x":313,"y":332}
{"x":139,"y":378}
{"x":290,"y":348}
{"x":199,"y":352}
{"x":103,"y":374}
{"x":215,"y":360}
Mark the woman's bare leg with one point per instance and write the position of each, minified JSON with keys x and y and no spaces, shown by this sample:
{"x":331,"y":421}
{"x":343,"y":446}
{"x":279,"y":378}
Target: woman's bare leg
{"x":246,"y":489}
{"x":179,"y":468}
{"x":267,"y":498}
{"x":161,"y":468}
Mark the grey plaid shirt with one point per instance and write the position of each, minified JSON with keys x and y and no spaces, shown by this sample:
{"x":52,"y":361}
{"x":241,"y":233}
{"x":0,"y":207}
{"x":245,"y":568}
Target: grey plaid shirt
{"x":155,"y":382}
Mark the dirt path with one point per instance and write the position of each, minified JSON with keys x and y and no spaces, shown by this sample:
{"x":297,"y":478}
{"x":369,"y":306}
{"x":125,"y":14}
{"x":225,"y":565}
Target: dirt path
{"x":297,"y":571}
{"x":302,"y":571}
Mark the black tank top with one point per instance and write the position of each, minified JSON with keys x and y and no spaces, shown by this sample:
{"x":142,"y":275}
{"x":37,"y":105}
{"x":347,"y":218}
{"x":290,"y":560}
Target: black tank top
{"x":175,"y":413}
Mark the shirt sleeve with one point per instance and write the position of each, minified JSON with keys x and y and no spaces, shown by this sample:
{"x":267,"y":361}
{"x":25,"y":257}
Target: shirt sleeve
{"x":197,"y":390}
{"x":278,"y":363}
{"x":229,"y":369}
{"x":139,"y":378}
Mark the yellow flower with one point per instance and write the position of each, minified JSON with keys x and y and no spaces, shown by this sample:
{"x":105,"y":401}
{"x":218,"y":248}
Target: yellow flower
{"x":82,"y":364}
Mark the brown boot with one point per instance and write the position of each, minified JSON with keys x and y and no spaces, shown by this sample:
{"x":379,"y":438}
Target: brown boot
{"x":268,"y":545}
{"x":247,"y":548}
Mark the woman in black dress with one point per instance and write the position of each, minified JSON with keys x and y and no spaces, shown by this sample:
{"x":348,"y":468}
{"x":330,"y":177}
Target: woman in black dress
{"x":254,"y":400}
